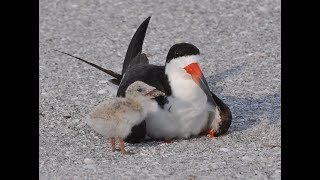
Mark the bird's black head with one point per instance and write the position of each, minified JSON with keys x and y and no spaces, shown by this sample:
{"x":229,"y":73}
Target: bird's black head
{"x":180,"y":50}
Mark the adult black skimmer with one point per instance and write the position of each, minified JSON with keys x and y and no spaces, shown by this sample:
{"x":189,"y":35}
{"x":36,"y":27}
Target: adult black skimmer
{"x":188,"y":108}
{"x":115,"y":118}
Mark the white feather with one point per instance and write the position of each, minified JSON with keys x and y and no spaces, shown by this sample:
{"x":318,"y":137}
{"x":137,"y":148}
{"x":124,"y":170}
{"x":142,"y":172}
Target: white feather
{"x":214,"y":125}
{"x":186,"y":113}
{"x":112,"y":89}
{"x":181,"y":121}
{"x":181,"y":62}
{"x":181,"y":82}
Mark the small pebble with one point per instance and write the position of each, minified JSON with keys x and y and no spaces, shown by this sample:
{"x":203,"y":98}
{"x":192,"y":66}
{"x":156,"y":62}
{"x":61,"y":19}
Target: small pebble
{"x":103,"y":82}
{"x":246,"y":158}
{"x":224,"y":149}
{"x":102,"y":91}
{"x":75,"y":121}
{"x":88,"y":161}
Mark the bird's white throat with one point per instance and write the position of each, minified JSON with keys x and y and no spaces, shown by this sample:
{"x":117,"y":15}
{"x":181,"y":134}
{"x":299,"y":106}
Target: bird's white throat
{"x":182,"y":85}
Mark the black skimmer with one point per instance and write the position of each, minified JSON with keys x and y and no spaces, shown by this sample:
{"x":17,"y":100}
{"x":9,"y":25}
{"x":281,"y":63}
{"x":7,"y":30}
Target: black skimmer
{"x":115,"y":118}
{"x":188,"y":108}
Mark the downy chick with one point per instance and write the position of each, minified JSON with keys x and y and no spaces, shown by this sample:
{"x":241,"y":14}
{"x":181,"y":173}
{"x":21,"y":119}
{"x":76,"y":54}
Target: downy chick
{"x":116,"y":117}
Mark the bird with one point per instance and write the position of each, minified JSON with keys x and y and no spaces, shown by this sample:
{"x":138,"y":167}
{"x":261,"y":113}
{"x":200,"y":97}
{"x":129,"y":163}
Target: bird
{"x":188,"y":107}
{"x":115,"y":118}
{"x":136,"y":67}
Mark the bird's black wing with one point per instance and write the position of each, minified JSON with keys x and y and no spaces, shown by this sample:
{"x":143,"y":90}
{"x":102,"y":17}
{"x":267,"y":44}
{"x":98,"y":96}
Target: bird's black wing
{"x":150,"y":74}
{"x":135,"y":46}
{"x":141,"y":58}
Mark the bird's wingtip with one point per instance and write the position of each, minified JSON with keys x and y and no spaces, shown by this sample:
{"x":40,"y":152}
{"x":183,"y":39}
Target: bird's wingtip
{"x":147,"y":19}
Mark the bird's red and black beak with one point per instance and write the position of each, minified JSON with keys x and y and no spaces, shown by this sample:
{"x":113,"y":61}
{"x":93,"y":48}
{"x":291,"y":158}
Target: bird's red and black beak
{"x":195,"y":71}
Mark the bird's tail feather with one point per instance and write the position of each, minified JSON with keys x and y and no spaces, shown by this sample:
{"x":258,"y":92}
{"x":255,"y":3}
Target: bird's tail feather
{"x":110,"y":72}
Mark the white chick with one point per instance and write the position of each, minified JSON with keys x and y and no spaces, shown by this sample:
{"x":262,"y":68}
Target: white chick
{"x":116,"y":117}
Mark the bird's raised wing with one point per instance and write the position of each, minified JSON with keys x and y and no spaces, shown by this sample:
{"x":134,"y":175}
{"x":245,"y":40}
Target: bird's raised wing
{"x":141,"y":58}
{"x":135,"y":46}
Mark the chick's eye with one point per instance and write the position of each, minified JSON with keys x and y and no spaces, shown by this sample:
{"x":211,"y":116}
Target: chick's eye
{"x":139,"y":90}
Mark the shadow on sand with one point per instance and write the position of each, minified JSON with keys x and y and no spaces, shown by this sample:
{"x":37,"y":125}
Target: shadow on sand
{"x":249,"y":111}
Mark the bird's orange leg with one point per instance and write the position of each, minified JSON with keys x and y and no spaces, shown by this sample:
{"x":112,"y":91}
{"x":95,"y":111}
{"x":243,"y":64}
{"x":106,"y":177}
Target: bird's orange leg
{"x":211,"y":133}
{"x":123,"y":151}
{"x":113,"y":144}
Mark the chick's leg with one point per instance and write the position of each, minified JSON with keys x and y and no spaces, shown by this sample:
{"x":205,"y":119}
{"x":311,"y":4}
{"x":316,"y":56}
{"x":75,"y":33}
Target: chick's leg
{"x":123,"y":151}
{"x":113,"y":144}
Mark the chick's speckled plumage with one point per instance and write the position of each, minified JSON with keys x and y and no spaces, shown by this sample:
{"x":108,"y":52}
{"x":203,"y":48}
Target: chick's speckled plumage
{"x":116,"y":117}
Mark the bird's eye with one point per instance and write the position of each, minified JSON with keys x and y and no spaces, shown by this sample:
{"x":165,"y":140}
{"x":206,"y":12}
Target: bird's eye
{"x":139,"y":90}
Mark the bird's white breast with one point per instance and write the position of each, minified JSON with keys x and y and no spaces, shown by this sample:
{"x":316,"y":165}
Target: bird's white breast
{"x":186,"y":113}
{"x":178,"y":119}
